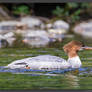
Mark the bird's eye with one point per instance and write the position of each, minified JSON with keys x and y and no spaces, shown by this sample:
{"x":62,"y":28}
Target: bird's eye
{"x":83,"y":45}
{"x":26,"y":65}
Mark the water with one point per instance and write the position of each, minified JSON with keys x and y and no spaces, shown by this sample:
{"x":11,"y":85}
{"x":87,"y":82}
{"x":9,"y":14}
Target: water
{"x":42,"y":79}
{"x":45,"y":72}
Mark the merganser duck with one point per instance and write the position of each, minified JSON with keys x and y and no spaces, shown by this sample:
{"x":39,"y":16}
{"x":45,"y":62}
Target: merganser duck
{"x":52,"y":62}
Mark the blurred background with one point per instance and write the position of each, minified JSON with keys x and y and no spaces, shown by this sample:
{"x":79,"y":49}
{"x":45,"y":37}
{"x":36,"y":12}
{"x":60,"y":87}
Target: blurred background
{"x":44,"y":24}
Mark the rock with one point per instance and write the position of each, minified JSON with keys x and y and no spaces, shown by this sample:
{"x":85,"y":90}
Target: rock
{"x":21,"y":26}
{"x":7,"y":26}
{"x":7,"y":39}
{"x":32,"y":32}
{"x":56,"y":34}
{"x":3,"y":43}
{"x":10,"y":26}
{"x":11,"y":41}
{"x":9,"y":22}
{"x":20,"y":32}
{"x":10,"y":37}
{"x":84,"y":29}
{"x":49,"y":25}
{"x":36,"y":41}
{"x":60,"y":24}
{"x":38,"y":38}
{"x":32,"y":22}
{"x":57,"y":30}
{"x":68,"y":36}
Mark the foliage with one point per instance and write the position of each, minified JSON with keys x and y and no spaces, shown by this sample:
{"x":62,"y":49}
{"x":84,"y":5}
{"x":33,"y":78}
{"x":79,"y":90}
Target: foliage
{"x":21,"y":10}
{"x":71,"y":11}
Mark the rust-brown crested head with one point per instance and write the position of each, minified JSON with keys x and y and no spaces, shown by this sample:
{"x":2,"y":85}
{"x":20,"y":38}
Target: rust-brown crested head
{"x":72,"y":46}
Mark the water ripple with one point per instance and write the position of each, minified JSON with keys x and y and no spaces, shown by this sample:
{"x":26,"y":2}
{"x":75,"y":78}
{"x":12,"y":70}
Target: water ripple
{"x":45,"y":72}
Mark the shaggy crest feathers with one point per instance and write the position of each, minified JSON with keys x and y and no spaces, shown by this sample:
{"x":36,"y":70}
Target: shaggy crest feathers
{"x":68,"y":47}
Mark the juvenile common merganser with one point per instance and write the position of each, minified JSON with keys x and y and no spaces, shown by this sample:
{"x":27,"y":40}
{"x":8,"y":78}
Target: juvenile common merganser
{"x":52,"y":62}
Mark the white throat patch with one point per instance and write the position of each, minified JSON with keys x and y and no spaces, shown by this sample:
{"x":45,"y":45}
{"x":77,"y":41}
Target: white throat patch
{"x":75,"y":62}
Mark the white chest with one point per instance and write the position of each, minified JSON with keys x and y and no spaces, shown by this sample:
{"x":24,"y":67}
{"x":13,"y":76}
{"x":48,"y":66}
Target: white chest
{"x":75,"y":62}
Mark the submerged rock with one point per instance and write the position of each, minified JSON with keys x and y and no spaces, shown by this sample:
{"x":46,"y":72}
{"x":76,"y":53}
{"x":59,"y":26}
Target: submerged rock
{"x":3,"y":43}
{"x":84,"y":29}
{"x":7,"y":39}
{"x":56,"y":34}
{"x":37,"y":38}
{"x":57,"y":29}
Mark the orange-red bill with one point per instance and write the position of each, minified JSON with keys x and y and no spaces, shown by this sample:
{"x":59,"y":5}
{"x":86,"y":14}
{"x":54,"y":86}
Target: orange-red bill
{"x":87,"y":48}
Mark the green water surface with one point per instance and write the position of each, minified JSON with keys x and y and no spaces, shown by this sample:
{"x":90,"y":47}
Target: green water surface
{"x":64,"y":81}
